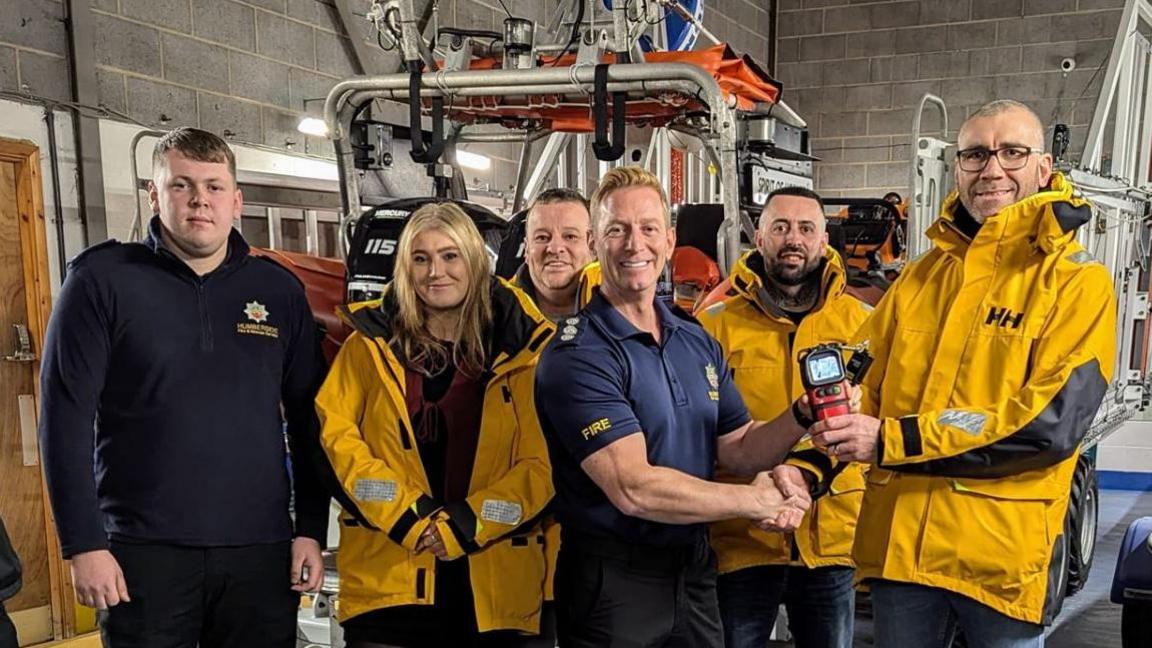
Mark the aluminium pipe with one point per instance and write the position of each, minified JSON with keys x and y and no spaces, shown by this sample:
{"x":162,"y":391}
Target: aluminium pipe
{"x":521,"y":82}
{"x":514,"y":137}
{"x":683,"y":77}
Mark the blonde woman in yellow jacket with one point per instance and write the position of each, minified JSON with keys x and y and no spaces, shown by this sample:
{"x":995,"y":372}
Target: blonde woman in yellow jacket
{"x":993,"y":352}
{"x":429,"y":423}
{"x":786,"y":296}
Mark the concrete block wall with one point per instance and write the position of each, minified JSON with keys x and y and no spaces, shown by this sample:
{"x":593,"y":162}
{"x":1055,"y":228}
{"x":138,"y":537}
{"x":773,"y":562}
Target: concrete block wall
{"x":245,"y":68}
{"x":856,"y":70}
{"x":34,"y":49}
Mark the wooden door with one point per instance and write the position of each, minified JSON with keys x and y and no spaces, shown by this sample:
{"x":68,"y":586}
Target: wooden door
{"x":24,"y":303}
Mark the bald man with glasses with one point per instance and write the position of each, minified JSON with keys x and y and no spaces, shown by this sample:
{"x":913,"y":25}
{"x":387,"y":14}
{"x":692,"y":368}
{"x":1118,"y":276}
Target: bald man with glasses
{"x":993,"y":351}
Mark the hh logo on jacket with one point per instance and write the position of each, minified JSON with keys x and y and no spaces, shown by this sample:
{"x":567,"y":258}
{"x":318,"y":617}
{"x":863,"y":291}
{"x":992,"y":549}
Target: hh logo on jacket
{"x":1004,"y":318}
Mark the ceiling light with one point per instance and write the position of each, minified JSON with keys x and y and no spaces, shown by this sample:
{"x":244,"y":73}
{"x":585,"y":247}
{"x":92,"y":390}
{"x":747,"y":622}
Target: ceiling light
{"x":313,"y":126}
{"x":473,"y":160}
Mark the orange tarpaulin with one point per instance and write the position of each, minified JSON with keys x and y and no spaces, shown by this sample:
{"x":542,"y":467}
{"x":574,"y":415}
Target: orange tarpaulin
{"x":738,"y":76}
{"x":323,"y":281}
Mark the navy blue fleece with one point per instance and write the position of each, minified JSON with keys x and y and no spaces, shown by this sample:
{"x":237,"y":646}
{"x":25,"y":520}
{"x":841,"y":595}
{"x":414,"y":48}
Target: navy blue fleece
{"x":161,"y":417}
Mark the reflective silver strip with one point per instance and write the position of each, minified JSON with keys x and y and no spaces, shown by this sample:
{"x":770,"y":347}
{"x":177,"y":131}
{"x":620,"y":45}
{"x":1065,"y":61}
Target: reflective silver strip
{"x":1138,"y":593}
{"x":374,"y":490}
{"x":501,"y":512}
{"x":970,"y":422}
{"x":366,"y":286}
{"x":1082,"y":257}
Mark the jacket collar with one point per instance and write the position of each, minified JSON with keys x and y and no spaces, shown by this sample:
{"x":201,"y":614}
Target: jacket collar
{"x":523,"y":280}
{"x":671,"y":318}
{"x":519,"y":330}
{"x":1047,"y":219}
{"x":238,"y":249}
{"x":590,"y":278}
{"x":747,"y":281}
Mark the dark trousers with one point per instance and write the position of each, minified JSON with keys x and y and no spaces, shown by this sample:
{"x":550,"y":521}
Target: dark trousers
{"x":917,"y":615}
{"x":547,"y":636}
{"x":449,"y":621}
{"x":219,"y":597}
{"x":7,"y":630}
{"x":617,"y":595}
{"x":820,"y":603}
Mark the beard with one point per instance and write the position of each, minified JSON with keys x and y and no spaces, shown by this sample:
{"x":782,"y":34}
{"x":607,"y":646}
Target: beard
{"x":781,"y":274}
{"x":807,"y":277}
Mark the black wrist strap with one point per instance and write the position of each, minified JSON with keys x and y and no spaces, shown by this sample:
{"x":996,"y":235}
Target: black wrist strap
{"x":801,"y":420}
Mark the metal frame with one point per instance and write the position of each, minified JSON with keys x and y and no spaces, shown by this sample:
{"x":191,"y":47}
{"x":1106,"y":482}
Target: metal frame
{"x":929,"y":176}
{"x":1126,"y":84}
{"x":573,"y":84}
{"x":1114,"y":238}
{"x":527,"y":189}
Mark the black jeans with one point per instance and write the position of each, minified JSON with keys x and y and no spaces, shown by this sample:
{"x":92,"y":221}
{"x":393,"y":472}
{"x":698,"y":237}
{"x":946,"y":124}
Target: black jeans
{"x":820,"y":604}
{"x":612,"y":594}
{"x":218,"y":597}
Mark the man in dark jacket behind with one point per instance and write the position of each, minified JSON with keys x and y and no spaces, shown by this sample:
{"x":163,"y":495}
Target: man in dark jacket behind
{"x":170,"y":368}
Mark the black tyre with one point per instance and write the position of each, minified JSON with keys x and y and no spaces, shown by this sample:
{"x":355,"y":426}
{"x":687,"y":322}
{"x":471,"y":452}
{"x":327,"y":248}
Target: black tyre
{"x":1083,"y":516}
{"x":1136,"y":625}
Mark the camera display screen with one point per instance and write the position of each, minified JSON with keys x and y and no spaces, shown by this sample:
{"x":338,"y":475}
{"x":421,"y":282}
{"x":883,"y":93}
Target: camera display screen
{"x":824,"y":368}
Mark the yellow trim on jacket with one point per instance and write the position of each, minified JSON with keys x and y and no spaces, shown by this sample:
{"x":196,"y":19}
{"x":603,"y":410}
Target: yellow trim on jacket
{"x":992,"y":356}
{"x":762,"y":345}
{"x":369,"y":442}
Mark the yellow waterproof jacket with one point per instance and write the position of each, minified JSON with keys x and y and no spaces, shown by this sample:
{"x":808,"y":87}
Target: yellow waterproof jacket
{"x":762,"y":346}
{"x":588,"y":281}
{"x":992,"y":357}
{"x":384,"y":490}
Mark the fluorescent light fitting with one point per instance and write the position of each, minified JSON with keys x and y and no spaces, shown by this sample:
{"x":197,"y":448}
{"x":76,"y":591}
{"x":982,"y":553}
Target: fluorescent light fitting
{"x":473,"y":160}
{"x":313,"y":126}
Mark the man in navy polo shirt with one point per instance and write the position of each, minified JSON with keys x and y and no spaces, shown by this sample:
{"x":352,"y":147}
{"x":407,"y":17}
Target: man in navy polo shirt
{"x":639,"y":407}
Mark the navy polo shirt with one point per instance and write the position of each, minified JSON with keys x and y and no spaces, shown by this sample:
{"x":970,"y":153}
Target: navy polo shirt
{"x":601,"y":379}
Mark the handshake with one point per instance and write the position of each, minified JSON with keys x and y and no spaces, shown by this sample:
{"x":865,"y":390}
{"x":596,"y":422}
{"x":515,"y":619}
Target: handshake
{"x":781,"y":498}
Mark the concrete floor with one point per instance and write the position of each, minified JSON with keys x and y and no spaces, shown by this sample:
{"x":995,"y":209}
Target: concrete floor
{"x":1088,"y":618}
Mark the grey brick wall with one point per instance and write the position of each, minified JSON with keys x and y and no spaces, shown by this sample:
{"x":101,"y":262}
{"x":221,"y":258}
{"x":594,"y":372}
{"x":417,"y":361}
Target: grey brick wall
{"x":33,"y":49}
{"x":856,"y":69}
{"x":244,"y":68}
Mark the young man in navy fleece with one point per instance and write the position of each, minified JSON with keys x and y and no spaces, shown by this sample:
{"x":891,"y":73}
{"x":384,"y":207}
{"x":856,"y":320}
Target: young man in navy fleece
{"x":169,"y":369}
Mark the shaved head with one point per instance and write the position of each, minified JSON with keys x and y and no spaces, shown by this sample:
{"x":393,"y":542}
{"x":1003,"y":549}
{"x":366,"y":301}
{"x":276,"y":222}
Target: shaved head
{"x":993,"y":129}
{"x":1022,"y":113}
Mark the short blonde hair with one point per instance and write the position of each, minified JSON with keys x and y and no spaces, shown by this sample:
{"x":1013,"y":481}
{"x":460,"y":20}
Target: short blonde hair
{"x":420,"y":350}
{"x":622,"y":178}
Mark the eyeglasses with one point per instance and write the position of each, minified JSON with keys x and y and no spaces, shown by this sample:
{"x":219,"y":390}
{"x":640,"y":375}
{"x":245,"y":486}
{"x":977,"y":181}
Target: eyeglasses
{"x":1009,"y":157}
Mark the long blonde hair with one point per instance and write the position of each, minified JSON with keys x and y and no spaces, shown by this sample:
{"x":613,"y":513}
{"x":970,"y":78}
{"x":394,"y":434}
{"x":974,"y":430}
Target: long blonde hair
{"x":420,"y":350}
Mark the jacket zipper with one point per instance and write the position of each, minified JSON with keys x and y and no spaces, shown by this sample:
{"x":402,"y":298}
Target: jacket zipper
{"x":206,"y":342}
